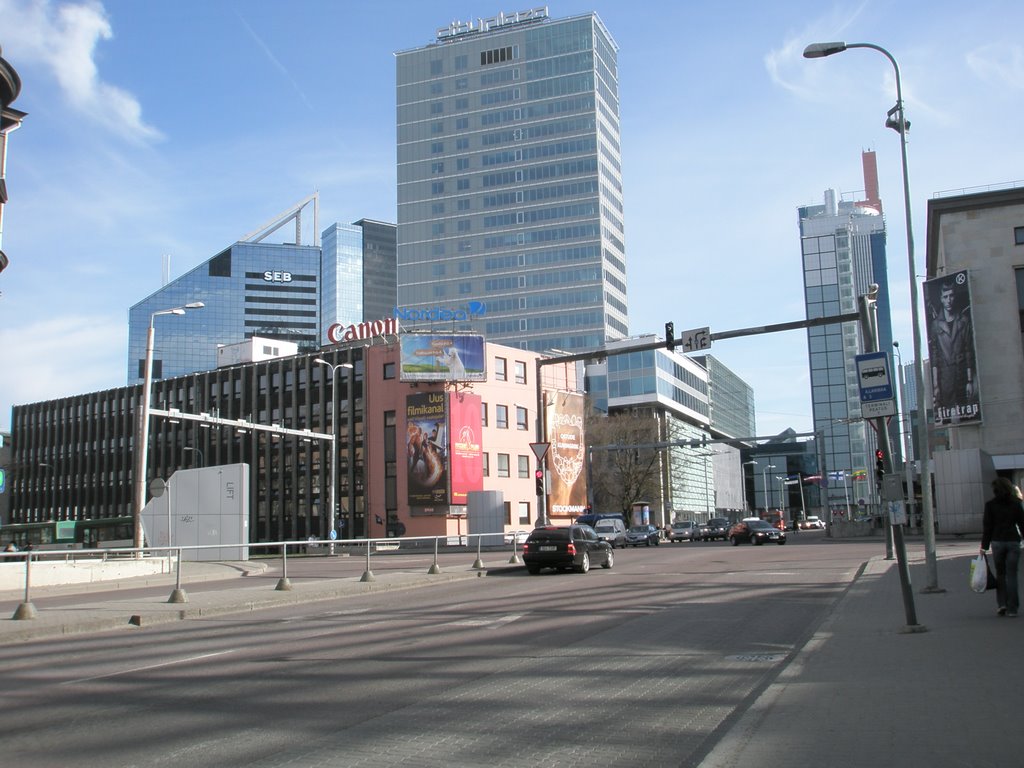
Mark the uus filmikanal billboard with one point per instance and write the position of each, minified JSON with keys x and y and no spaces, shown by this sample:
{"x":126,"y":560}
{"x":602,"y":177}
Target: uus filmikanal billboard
{"x":426,"y":444}
{"x":566,"y":457}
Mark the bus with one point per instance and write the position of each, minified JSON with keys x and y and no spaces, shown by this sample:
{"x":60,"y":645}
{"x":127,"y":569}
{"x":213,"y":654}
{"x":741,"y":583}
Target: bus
{"x":108,"y":532}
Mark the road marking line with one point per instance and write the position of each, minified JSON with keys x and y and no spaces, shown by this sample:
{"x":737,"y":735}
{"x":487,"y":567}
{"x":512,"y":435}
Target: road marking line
{"x":147,"y":667}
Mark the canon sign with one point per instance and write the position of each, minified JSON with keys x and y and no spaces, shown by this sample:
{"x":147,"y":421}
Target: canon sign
{"x":338,"y":333}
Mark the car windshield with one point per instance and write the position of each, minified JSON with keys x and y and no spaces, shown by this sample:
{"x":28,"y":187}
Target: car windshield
{"x":683,"y":525}
{"x":758,"y":524}
{"x":605,"y":527}
{"x":640,"y":529}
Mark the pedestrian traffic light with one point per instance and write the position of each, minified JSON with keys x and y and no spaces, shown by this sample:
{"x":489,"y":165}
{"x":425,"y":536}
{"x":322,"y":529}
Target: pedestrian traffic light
{"x":879,"y":464}
{"x":670,"y":336}
{"x":539,"y":474}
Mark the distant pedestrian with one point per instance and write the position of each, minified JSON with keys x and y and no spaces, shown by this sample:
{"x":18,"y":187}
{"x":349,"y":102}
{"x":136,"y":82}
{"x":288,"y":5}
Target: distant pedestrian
{"x":1001,"y":527}
{"x":11,"y":547}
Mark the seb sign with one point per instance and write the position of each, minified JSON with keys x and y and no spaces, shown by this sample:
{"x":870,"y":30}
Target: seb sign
{"x":277,"y":277}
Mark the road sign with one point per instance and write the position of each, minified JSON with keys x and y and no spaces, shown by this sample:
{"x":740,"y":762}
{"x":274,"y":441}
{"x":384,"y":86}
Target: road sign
{"x":157,"y":486}
{"x":539,"y":450}
{"x":694,"y":340}
{"x":873,"y":377}
{"x":333,"y":534}
{"x":875,"y":409}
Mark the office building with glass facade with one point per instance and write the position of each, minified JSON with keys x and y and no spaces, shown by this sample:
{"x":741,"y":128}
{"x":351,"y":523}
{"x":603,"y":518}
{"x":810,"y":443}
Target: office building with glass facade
{"x":843,"y":252}
{"x":678,"y":393}
{"x":509,"y":181}
{"x":284,"y":291}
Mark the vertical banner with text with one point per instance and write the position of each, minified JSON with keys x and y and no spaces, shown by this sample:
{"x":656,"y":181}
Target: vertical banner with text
{"x":952,"y":364}
{"x":567,"y":490}
{"x":426,"y":449}
{"x":466,"y":461}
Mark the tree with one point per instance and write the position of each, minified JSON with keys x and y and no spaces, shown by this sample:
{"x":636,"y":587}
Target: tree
{"x":622,"y":473}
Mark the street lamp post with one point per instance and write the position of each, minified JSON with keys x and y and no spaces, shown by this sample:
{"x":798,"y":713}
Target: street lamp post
{"x":782,"y":497}
{"x":142,"y":433}
{"x":897,"y":121}
{"x":197,"y":451}
{"x":743,"y":485}
{"x":764,"y":485}
{"x":333,"y":494}
{"x":908,"y":441}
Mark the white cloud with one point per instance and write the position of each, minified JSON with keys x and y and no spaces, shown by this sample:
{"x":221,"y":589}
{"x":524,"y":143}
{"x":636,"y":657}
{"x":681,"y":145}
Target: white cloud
{"x":59,"y":357}
{"x":998,"y":62}
{"x":63,"y":38}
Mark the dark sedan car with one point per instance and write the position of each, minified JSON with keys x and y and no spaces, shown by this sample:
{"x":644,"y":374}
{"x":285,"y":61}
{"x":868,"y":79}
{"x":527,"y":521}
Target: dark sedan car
{"x":573,"y":547}
{"x":756,"y":531}
{"x":643,"y":534}
{"x":717,"y":528}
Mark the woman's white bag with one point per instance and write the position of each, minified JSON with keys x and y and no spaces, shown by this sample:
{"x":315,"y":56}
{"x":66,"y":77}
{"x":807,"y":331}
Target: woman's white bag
{"x":979,"y":573}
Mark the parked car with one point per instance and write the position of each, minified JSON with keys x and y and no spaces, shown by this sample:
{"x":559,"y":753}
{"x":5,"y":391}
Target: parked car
{"x":572,"y":547}
{"x":756,"y":531}
{"x":643,"y":534}
{"x":612,"y":530}
{"x":812,"y":522}
{"x":717,"y":528}
{"x":518,"y":536}
{"x":592,"y":518}
{"x":683,"y":530}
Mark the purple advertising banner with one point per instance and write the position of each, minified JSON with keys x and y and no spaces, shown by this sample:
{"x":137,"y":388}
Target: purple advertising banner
{"x":425,"y":445}
{"x":952,"y":364}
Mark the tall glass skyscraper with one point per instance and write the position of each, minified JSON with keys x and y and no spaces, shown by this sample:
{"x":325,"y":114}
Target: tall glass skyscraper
{"x":509,"y":181}
{"x":285,"y":291}
{"x":843,"y":247}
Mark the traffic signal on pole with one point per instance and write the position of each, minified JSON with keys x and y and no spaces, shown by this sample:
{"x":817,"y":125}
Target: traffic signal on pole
{"x":670,"y":336}
{"x":879,"y":464}
{"x":539,"y":474}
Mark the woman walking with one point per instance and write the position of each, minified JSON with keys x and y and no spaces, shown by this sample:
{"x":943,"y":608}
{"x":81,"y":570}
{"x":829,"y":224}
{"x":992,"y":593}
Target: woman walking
{"x":1001,"y":527}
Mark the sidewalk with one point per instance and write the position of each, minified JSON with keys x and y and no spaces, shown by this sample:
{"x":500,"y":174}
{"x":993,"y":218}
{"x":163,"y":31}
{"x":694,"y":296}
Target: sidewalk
{"x":864,"y":692}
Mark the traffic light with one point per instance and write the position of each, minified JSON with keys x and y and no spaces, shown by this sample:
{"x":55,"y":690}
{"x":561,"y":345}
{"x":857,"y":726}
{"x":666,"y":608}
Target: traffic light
{"x":670,"y":336}
{"x":539,"y":474}
{"x":879,"y":464}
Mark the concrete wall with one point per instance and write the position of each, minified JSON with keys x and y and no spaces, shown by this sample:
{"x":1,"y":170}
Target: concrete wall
{"x":962,"y":484}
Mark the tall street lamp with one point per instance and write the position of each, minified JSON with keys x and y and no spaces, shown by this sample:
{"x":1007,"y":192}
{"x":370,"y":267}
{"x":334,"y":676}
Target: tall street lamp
{"x":896,"y":119}
{"x":333,"y":495}
{"x":908,"y":441}
{"x":196,"y":451}
{"x":764,"y":485}
{"x":142,"y":434}
{"x":743,"y":485}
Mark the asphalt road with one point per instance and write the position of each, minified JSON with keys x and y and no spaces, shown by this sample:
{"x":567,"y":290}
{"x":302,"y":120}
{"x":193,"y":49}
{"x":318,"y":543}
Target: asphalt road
{"x":643,"y":665}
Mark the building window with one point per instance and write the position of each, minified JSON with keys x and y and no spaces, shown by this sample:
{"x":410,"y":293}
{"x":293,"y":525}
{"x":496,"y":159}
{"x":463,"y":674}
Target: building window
{"x":437,"y":108}
{"x":486,"y":464}
{"x":461,"y":143}
{"x":462,"y":123}
{"x":461,"y":62}
{"x":1018,"y":235}
{"x":524,"y":512}
{"x":436,"y":67}
{"x":437,"y":167}
{"x":500,"y":369}
{"x":462,"y":184}
{"x":462,"y":164}
{"x":389,"y":371}
{"x":437,"y":147}
{"x":437,"y":188}
{"x":520,"y":372}
{"x":483,"y":414}
{"x":501,"y":416}
{"x":521,"y":418}
{"x":524,"y":467}
{"x":502,"y":465}
{"x":463,"y":204}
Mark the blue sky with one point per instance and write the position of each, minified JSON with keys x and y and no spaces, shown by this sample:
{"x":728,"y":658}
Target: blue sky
{"x":174,"y":128}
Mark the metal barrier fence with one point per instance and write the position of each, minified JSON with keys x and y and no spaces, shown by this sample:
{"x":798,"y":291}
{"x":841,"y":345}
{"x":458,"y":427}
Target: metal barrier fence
{"x":173,"y":554}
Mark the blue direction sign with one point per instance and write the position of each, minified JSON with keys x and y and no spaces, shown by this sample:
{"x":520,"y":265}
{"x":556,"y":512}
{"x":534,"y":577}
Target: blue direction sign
{"x":873,"y":377}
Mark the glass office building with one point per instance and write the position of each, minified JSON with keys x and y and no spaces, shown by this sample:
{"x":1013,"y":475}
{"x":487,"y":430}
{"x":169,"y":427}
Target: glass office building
{"x":270,"y":290}
{"x":509,"y":181}
{"x":843,"y":249}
